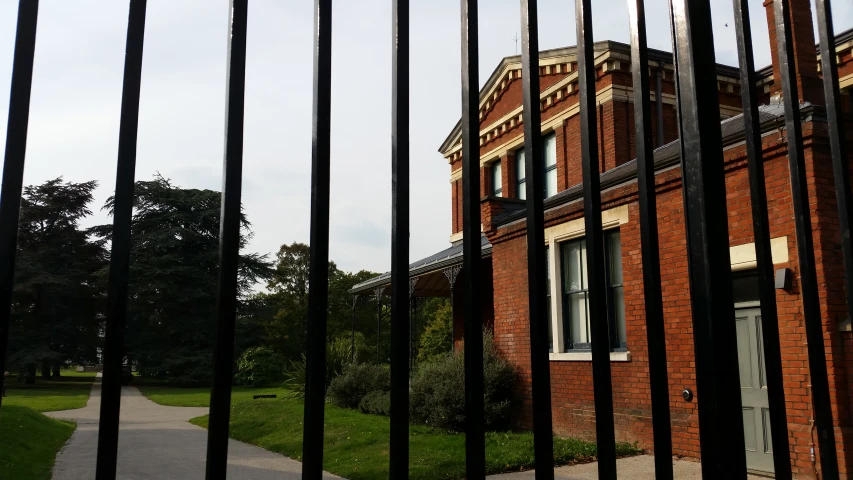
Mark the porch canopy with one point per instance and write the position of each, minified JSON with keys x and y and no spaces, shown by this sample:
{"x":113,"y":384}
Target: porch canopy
{"x":432,"y":276}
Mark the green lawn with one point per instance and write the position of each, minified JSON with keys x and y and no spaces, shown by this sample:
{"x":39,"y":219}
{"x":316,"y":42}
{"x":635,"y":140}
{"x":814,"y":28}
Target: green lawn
{"x":356,"y":445}
{"x":29,"y":442}
{"x":64,"y":393}
{"x":72,"y":372}
{"x":200,"y":397}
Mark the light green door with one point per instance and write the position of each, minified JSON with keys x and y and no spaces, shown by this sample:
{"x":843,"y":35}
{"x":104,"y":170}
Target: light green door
{"x":753,"y":388}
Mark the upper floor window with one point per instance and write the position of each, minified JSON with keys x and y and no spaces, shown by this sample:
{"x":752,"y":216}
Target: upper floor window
{"x":497,"y":179}
{"x":575,"y":293}
{"x":549,"y":151}
{"x":521,"y":183}
{"x":549,"y":148}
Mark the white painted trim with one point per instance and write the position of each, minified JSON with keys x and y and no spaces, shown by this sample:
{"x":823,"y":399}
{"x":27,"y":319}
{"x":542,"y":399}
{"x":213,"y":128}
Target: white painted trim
{"x":458,"y":235}
{"x":610,"y":219}
{"x":587,"y":357}
{"x":845,"y":81}
{"x":456,"y":175}
{"x":743,"y":256}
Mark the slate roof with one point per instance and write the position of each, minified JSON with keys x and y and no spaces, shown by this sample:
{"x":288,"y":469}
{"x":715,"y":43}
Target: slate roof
{"x":437,"y":261}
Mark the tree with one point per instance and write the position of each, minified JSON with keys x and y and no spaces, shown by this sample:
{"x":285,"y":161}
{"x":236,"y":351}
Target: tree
{"x":435,"y":341}
{"x":56,"y":305}
{"x":173,"y":279}
{"x":285,"y":323}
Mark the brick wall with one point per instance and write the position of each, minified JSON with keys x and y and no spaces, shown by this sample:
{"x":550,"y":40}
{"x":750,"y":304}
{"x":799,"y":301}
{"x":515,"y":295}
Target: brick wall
{"x":808,"y":81}
{"x":615,"y":120}
{"x":572,"y":391}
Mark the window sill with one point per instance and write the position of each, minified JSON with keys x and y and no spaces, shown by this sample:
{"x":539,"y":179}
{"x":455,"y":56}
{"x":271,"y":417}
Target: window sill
{"x":587,"y":357}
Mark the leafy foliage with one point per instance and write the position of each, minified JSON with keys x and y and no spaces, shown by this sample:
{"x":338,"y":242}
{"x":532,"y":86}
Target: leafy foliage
{"x":363,"y":351}
{"x":283,"y":324}
{"x":438,"y":390}
{"x":337,"y":357}
{"x":57,"y":306}
{"x":173,"y":279}
{"x":435,"y":340}
{"x":259,"y":366}
{"x":357,"y":380}
{"x":376,"y":403}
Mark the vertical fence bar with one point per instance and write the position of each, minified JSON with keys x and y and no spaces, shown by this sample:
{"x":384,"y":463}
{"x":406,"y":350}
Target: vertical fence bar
{"x":13,"y":164}
{"x":704,"y":190}
{"x":604,"y":425}
{"x":120,"y":254}
{"x":537,"y":275}
{"x":764,"y":259}
{"x":837,"y":138}
{"x":318,"y":277}
{"x":475,"y":443}
{"x":400,"y":284}
{"x":805,"y":245}
{"x":653,"y":299}
{"x":229,"y":246}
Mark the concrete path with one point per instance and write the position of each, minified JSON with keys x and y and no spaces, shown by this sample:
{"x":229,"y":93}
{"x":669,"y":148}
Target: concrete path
{"x":635,"y":468}
{"x":156,"y":442}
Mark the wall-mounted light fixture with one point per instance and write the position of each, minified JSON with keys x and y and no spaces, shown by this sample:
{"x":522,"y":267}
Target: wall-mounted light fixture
{"x":783,"y":278}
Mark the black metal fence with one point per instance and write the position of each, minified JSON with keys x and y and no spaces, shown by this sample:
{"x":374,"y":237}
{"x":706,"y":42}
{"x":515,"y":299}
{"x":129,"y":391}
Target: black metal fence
{"x":721,"y":432}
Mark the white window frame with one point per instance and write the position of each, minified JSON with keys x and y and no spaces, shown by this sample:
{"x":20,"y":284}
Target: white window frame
{"x":555,"y":235}
{"x":496,"y":170}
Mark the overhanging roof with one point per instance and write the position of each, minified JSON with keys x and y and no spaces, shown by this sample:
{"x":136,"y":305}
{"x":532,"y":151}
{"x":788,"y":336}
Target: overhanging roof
{"x":446,"y":258}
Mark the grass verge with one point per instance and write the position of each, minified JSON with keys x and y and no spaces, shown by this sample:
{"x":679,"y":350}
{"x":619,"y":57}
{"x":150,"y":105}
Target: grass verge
{"x":356,"y":445}
{"x":200,"y":397}
{"x":29,"y":442}
{"x":62,"y":393}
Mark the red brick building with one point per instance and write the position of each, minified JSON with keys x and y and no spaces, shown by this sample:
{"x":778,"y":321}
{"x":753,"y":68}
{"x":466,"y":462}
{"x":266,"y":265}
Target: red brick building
{"x":505,"y":294}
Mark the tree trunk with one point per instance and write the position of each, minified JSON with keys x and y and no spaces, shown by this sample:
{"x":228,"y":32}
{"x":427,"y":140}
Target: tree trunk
{"x":45,"y":370}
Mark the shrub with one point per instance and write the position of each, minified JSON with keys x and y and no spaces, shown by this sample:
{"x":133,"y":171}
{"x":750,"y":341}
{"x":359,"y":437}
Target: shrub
{"x":259,"y":366}
{"x":438,"y":390}
{"x":376,"y":403}
{"x":436,"y":338}
{"x":357,"y":380}
{"x":363,"y":352}
{"x":337,"y":357}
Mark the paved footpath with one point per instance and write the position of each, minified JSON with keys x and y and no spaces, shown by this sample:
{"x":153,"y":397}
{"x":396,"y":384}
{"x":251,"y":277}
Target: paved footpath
{"x":157,"y":442}
{"x":641,"y":467}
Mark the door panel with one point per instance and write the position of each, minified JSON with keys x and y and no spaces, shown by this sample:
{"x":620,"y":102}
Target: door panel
{"x":756,"y":410}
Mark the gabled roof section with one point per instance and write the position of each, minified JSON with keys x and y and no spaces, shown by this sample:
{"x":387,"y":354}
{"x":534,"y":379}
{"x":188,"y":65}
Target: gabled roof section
{"x":563,"y":60}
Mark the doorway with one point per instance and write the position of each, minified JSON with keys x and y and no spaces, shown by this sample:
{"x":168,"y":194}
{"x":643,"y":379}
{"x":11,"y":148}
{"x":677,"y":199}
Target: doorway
{"x":753,"y":382}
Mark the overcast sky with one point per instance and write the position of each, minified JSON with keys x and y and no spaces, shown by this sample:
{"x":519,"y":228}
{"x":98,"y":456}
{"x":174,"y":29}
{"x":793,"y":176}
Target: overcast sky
{"x":77,"y":94}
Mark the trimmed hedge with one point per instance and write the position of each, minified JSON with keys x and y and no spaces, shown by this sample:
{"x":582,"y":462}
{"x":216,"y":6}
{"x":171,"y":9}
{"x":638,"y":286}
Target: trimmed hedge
{"x":357,"y":380}
{"x":376,"y":403}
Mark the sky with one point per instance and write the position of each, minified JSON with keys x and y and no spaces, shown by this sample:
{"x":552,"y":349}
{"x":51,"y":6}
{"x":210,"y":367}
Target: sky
{"x":76,"y":98}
